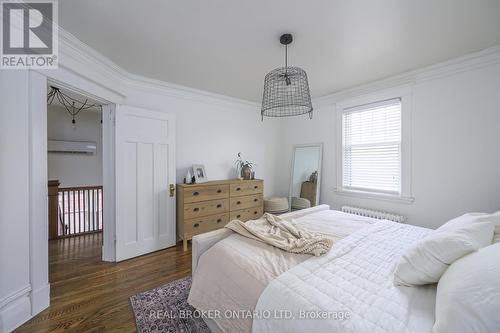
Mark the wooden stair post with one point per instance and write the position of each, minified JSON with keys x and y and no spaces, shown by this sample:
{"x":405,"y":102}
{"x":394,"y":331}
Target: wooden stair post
{"x":53,"y":208}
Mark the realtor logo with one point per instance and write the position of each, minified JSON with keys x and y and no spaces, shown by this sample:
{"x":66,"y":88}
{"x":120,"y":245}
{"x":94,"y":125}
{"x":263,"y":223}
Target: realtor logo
{"x":29,"y":34}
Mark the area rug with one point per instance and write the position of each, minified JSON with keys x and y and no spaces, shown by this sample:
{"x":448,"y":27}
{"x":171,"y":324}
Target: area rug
{"x":165,"y":309}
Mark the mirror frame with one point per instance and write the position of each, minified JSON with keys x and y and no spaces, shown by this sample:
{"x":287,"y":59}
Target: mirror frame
{"x":320,"y":171}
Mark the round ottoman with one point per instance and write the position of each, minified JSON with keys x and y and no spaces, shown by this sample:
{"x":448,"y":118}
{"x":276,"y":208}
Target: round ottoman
{"x":276,"y":205}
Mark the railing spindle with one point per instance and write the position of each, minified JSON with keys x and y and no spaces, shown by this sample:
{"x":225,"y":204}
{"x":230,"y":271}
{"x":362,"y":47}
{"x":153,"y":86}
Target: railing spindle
{"x":91,"y":220}
{"x":87,"y":206}
{"x":70,"y":222}
{"x":98,"y":206}
{"x":93,"y":208}
{"x":63,"y":213}
{"x":66,"y":212}
{"x":74,"y":211}
{"x":78,"y":210}
{"x":68,"y":208}
{"x":102,"y":210}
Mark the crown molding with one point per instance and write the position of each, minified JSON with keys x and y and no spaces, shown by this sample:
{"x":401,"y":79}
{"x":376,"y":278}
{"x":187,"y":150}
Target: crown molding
{"x":81,"y":59}
{"x":443,"y":69}
{"x":170,"y":89}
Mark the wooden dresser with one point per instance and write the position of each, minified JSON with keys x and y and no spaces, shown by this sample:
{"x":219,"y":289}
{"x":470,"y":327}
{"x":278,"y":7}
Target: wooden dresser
{"x":209,"y":206}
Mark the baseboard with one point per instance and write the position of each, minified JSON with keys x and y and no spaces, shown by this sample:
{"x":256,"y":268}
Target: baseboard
{"x":40,"y":299}
{"x":15,"y":313}
{"x":107,"y":254}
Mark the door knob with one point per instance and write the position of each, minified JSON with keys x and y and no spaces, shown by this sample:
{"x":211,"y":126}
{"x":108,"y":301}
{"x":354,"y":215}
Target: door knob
{"x":172,"y":190}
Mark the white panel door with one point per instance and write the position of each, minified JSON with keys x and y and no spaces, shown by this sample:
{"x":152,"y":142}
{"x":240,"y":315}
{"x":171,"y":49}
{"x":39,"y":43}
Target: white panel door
{"x":145,"y":169}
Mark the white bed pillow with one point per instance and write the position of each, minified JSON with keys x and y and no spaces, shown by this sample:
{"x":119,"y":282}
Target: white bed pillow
{"x":474,"y":218}
{"x":468,"y":294}
{"x":425,"y":261}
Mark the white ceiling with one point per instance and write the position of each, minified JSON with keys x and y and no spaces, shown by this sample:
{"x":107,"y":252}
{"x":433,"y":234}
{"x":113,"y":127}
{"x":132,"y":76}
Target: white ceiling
{"x":227,"y":46}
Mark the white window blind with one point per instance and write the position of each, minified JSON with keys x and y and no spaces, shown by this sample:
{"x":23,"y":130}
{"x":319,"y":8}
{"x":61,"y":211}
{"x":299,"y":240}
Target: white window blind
{"x":371,"y":141}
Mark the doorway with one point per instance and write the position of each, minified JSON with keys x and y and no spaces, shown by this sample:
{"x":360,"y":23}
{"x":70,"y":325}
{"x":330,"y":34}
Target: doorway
{"x":123,"y":128}
{"x":74,"y":161}
{"x":75,"y":177}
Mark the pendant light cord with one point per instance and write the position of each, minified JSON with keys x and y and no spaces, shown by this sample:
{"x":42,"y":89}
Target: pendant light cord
{"x":286,"y":60}
{"x":287,"y":79}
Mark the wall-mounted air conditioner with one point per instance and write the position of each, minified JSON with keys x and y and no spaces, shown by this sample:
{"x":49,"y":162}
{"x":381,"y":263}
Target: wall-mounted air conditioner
{"x":74,"y":147}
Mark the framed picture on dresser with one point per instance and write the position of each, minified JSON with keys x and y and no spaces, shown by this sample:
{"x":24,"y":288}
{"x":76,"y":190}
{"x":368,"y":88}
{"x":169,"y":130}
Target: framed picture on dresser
{"x":200,"y":175}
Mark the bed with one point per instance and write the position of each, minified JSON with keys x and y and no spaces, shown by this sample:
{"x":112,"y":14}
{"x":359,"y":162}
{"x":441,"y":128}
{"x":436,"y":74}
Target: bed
{"x":253,"y":287}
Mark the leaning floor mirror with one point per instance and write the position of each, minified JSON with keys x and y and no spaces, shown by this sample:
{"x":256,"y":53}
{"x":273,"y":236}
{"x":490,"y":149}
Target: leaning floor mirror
{"x":305,"y":176}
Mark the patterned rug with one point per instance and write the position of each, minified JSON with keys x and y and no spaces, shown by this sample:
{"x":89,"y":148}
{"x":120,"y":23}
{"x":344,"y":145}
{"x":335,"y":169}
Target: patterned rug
{"x":165,"y":309}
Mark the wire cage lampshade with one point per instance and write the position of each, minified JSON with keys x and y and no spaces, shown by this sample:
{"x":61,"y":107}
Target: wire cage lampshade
{"x":286,"y":90}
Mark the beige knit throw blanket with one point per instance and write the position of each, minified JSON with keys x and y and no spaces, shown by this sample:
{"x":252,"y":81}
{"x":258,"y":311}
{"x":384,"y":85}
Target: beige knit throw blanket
{"x":290,"y":237}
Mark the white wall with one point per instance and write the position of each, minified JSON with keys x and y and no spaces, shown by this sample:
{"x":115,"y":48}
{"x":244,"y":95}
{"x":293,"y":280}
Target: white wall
{"x":455,"y":159}
{"x":213,"y":134}
{"x":14,"y":199}
{"x":75,"y":169}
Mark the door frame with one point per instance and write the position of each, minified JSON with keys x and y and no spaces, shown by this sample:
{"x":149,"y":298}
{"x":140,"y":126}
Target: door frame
{"x":108,"y":168}
{"x":38,"y":199}
{"x":108,"y":183}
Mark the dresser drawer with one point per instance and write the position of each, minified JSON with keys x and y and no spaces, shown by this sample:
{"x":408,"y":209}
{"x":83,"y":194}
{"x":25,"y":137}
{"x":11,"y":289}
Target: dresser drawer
{"x":203,"y":193}
{"x":246,"y":187}
{"x":248,"y":201}
{"x":247,"y":214}
{"x":205,"y":208}
{"x":205,"y":224}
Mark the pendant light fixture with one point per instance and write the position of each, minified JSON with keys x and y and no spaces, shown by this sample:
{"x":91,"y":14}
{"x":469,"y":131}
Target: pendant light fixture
{"x":286,"y":90}
{"x":72,"y":105}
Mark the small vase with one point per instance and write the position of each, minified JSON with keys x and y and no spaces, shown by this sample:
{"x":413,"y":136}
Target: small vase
{"x":246,"y":173}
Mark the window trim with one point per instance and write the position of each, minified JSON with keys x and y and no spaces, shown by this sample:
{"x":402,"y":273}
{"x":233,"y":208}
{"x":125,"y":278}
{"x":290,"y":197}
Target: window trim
{"x":405,"y":93}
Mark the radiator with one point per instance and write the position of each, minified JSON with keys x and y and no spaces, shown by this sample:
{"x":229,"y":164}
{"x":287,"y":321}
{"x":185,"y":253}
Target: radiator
{"x":374,"y":214}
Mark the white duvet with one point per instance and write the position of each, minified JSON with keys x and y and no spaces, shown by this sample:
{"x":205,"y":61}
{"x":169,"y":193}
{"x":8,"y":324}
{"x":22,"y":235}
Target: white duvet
{"x":354,"y":281}
{"x":233,"y":273}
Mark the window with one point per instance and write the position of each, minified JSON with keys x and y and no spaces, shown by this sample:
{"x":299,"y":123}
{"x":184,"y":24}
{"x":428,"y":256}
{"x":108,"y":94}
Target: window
{"x":371,"y":148}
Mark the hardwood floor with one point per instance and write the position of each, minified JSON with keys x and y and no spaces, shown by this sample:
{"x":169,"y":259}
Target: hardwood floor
{"x":88,"y":295}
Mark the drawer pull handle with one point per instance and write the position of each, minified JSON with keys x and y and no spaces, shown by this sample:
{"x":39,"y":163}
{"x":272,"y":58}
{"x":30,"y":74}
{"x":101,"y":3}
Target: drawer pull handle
{"x":255,"y":212}
{"x":238,"y":202}
{"x":238,"y":216}
{"x":196,"y":193}
{"x":238,"y":189}
{"x":196,"y":209}
{"x":219,"y":206}
{"x":219,"y":220}
{"x":255,"y":200}
{"x":255,"y":187}
{"x":196,"y":225}
{"x":219,"y":191}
